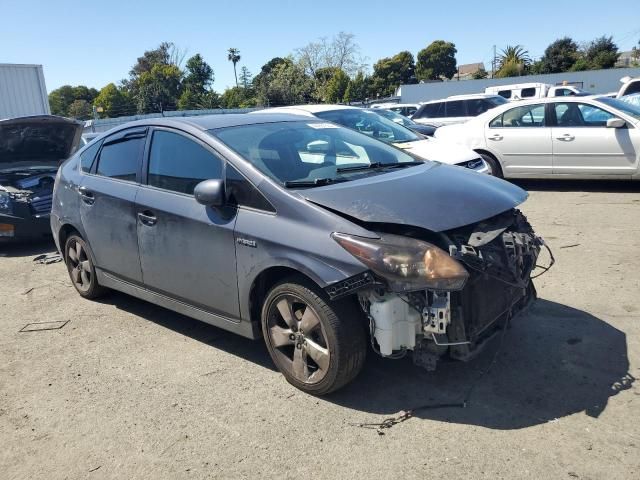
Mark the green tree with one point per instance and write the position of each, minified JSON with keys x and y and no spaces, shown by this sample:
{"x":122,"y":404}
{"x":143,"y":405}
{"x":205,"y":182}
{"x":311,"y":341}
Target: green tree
{"x":436,"y":61}
{"x":80,"y":110}
{"x":233,"y":55}
{"x":114,"y":102}
{"x":391,"y":72}
{"x":157,"y":56}
{"x":510,"y":68}
{"x":514,"y":55}
{"x":337,"y":86}
{"x":198,"y":76}
{"x":245,"y":77}
{"x":602,"y":53}
{"x":237,"y":97}
{"x":559,"y":56}
{"x":358,"y":88}
{"x":61,"y":98}
{"x":158,"y":89}
{"x":286,"y":83}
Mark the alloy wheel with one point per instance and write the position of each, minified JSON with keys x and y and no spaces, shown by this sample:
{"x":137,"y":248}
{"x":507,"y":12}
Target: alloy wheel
{"x":298,"y":339}
{"x":79,"y":266}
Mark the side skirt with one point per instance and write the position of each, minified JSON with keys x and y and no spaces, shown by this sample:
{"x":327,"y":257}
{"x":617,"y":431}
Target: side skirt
{"x":243,"y":328}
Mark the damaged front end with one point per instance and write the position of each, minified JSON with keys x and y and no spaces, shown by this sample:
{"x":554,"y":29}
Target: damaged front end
{"x":444,"y":293}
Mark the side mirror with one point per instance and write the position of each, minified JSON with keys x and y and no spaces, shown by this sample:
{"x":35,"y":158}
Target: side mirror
{"x":616,"y":123}
{"x":210,"y":193}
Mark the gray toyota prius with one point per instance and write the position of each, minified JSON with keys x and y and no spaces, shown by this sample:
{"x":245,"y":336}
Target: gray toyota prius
{"x":317,"y":238}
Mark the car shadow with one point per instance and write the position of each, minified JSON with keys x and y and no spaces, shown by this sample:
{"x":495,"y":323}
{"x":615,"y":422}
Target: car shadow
{"x":254,"y":351}
{"x":554,"y":361}
{"x":612,"y":186}
{"x":27,"y":248}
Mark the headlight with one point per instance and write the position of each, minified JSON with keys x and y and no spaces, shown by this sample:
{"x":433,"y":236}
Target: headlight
{"x":475,"y":164}
{"x":6,"y":203}
{"x":406,"y":263}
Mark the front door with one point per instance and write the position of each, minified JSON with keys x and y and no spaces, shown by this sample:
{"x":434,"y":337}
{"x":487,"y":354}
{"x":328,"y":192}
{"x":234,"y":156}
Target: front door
{"x":107,"y":204}
{"x":187,"y":250}
{"x":582,"y":143}
{"x":522,"y":141}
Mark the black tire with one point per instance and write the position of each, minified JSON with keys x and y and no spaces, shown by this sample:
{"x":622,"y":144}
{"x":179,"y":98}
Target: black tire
{"x":340,"y":331}
{"x":80,"y":267}
{"x":494,"y":165}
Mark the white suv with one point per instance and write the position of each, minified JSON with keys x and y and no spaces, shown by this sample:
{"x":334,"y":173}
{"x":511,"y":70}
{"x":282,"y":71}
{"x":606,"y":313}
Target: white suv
{"x":456,"y":109}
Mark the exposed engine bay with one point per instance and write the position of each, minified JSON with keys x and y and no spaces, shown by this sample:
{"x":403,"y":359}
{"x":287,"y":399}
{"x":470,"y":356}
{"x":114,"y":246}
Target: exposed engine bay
{"x":499,"y":255}
{"x":31,"y":187}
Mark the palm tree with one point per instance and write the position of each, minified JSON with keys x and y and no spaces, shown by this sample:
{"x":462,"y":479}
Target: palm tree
{"x":514,"y":55}
{"x":234,"y":57}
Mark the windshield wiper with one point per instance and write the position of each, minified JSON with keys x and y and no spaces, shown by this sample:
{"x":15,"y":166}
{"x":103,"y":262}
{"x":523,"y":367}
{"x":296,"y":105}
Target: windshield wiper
{"x":373,"y":165}
{"x":316,"y":182}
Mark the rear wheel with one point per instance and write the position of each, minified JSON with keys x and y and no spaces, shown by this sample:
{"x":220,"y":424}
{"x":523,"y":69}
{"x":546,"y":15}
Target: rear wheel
{"x":81,"y":269}
{"x":493,"y":164}
{"x":318,"y":345}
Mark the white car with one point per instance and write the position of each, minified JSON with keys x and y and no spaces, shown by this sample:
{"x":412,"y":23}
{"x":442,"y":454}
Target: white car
{"x":406,"y":109}
{"x":456,"y":109}
{"x":629,"y":86}
{"x":570,"y":137}
{"x":377,"y":126}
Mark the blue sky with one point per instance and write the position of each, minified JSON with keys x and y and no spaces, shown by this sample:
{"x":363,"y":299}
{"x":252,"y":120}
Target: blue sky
{"x":95,"y":42}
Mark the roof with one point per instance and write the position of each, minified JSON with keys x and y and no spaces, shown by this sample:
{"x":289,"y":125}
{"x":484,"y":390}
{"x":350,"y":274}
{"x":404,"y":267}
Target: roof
{"x":210,"y":122}
{"x":469,"y":68}
{"x":306,"y":109}
{"x":463,"y":97}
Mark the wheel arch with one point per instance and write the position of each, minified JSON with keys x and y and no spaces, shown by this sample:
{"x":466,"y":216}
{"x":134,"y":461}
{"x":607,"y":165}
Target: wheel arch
{"x":484,"y":151}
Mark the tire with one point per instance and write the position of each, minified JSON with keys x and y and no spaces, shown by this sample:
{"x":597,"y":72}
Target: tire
{"x":332,"y":350}
{"x":494,"y":165}
{"x":80,"y":267}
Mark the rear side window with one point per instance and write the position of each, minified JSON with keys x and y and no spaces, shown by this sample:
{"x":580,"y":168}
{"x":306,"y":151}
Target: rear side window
{"x":528,"y":92}
{"x":456,"y":108}
{"x":120,"y":159}
{"x":477,"y":106}
{"x":505,"y":93}
{"x":178,"y":163}
{"x":88,"y":156}
{"x":431,"y":110}
{"x":241,"y":192}
{"x":526,"y":116}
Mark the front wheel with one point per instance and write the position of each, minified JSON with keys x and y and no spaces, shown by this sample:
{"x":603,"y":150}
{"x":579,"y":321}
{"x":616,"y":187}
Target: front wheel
{"x":494,"y":165}
{"x":318,"y":345}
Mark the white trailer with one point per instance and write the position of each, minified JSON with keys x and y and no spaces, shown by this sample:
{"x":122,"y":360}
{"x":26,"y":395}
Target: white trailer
{"x":22,"y":91}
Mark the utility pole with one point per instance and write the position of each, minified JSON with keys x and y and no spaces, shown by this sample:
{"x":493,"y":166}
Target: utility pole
{"x":493,"y":63}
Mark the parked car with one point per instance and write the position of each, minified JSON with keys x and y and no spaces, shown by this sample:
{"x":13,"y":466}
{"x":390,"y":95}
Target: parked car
{"x":377,"y":126}
{"x":522,"y":91}
{"x":405,"y":109}
{"x":632,"y":99}
{"x":229,"y":219}
{"x":422,"y":129}
{"x":629,"y":85}
{"x":456,"y":109}
{"x":571,"y":137}
{"x":31,"y":148}
{"x":88,"y":137}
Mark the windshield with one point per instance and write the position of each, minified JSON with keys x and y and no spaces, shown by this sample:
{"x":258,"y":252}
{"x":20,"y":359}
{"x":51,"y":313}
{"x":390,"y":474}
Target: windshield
{"x":371,"y":124}
{"x":497,"y":100}
{"x":628,"y":108}
{"x":395,"y":117}
{"x":310,"y":151}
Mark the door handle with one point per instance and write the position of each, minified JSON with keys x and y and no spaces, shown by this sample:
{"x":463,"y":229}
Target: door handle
{"x":496,"y":137}
{"x":566,"y":137}
{"x":86,"y":195}
{"x":148,"y":218}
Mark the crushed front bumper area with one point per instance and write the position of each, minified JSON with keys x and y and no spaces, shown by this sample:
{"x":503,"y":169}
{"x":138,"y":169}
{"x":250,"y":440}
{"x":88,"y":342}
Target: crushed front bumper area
{"x":499,"y":254}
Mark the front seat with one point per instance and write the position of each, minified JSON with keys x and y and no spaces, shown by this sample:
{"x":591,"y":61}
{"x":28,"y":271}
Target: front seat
{"x":286,"y":165}
{"x":571,"y":118}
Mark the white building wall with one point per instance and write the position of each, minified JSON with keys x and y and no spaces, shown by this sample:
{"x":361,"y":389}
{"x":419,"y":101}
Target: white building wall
{"x":22,"y":91}
{"x":595,"y":81}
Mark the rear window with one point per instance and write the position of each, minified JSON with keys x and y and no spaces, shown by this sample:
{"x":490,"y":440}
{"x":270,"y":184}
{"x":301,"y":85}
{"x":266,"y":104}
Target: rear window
{"x":528,"y":92}
{"x":505,"y":93}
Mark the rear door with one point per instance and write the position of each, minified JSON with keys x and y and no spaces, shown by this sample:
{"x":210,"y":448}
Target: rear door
{"x":187,"y":250}
{"x":107,"y":197}
{"x":583,"y":145}
{"x":522,"y":140}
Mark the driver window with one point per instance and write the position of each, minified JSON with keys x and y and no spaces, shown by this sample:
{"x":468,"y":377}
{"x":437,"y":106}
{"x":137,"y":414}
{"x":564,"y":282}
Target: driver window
{"x":178,"y":164}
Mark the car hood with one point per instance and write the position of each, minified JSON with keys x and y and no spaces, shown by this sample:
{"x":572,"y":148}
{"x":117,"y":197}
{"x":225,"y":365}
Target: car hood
{"x":37,"y":140}
{"x":433,"y":196}
{"x":439,"y":150}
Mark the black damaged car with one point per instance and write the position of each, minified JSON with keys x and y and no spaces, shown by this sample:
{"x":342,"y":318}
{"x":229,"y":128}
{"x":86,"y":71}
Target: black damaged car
{"x":31,"y":149}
